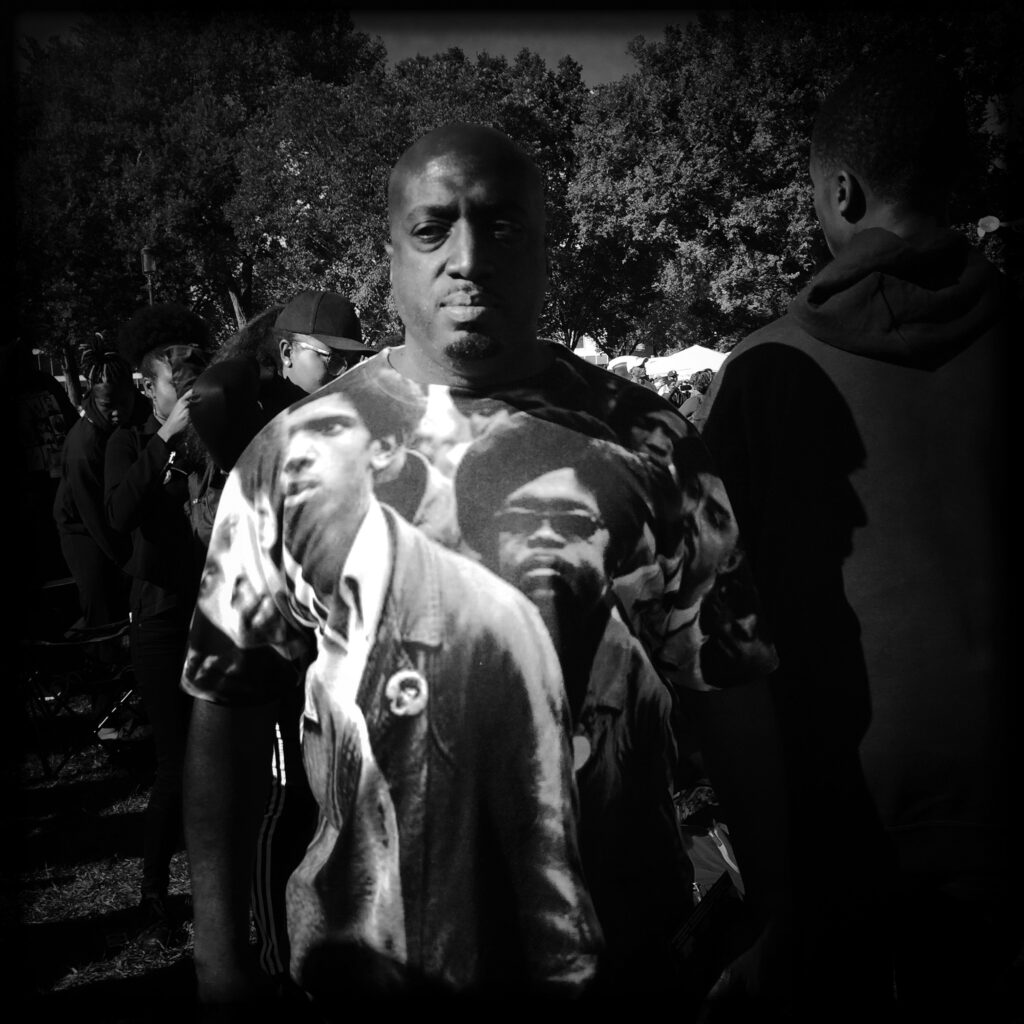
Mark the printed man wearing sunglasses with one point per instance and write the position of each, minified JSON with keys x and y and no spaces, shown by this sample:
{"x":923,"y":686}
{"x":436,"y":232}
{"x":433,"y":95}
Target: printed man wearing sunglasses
{"x":554,"y":508}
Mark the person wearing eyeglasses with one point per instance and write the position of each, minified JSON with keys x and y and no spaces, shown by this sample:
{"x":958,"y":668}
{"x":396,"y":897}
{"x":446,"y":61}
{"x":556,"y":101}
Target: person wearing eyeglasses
{"x":319,"y":337}
{"x":554,"y":508}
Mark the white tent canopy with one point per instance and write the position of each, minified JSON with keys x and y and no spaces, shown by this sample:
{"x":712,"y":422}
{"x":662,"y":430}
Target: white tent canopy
{"x":627,"y":361}
{"x":685,"y":363}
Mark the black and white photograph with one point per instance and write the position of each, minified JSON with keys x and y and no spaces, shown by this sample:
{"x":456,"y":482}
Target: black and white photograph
{"x":512,"y":514}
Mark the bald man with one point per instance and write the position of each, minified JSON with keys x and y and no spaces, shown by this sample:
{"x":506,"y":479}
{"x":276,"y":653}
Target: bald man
{"x":484,"y":902}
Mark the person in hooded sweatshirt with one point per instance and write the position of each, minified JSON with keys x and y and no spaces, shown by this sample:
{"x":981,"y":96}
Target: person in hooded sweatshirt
{"x":875,"y":520}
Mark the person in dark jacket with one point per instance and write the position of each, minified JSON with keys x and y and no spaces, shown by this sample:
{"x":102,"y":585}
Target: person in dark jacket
{"x":93,"y":550}
{"x":279,"y":357}
{"x":146,"y":470}
{"x":875,"y":525}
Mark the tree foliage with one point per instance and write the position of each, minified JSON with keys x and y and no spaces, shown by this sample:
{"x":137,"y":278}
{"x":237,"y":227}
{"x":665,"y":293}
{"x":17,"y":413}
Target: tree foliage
{"x":252,"y":151}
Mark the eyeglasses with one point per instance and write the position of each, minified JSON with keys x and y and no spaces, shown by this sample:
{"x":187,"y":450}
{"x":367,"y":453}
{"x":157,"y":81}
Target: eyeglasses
{"x":333,"y":360}
{"x":528,"y":521}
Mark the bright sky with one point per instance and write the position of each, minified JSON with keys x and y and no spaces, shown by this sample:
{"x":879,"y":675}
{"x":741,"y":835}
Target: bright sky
{"x":596,"y":39}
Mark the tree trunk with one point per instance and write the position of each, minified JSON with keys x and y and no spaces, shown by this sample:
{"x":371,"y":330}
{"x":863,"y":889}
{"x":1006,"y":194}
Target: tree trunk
{"x":236,"y":305}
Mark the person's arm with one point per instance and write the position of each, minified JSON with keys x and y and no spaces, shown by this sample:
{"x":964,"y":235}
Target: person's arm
{"x":523,"y":744}
{"x":226,"y":786}
{"x":130,"y":474}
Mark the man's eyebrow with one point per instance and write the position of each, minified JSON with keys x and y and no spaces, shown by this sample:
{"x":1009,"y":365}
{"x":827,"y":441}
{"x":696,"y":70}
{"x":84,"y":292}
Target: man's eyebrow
{"x":560,"y":504}
{"x":322,"y":420}
{"x":506,"y":207}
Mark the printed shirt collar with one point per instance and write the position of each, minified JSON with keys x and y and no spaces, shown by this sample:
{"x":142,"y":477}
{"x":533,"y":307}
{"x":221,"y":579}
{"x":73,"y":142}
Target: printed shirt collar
{"x":368,"y":567}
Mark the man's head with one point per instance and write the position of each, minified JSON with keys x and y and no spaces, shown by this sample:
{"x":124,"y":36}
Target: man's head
{"x":335,"y":443}
{"x":169,"y":345}
{"x":319,"y":336}
{"x":481,"y":413}
{"x":468,"y":267}
{"x":887,"y":145}
{"x":646,"y":423}
{"x":706,"y":534}
{"x":550,"y":509}
{"x":701,"y":380}
{"x":112,"y":391}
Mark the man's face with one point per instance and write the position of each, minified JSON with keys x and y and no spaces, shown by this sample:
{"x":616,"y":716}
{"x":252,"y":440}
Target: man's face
{"x":467,"y":262}
{"x":313,"y":364}
{"x":160,"y":389}
{"x":710,"y":535}
{"x":552,"y":543}
{"x":114,"y":401}
{"x":655,"y":434}
{"x":326,"y":480}
{"x":487,"y":416}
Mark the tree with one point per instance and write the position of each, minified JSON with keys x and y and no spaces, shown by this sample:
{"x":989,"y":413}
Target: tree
{"x":698,"y":162}
{"x":130,"y":134}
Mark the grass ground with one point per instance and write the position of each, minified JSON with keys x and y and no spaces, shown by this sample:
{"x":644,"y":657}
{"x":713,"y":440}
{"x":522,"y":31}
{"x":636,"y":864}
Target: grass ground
{"x":72,"y":868}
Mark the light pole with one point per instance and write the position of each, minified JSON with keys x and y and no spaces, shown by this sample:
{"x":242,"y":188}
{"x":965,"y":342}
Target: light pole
{"x":149,"y":268}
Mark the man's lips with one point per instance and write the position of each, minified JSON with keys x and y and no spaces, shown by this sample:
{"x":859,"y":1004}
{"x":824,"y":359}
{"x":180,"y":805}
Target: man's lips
{"x":475,"y":299}
{"x":542,"y":568}
{"x":297,"y":490}
{"x":468,"y":305}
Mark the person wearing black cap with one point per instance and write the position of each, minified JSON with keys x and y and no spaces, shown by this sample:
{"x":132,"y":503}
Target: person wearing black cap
{"x":554,"y":508}
{"x":319,"y":336}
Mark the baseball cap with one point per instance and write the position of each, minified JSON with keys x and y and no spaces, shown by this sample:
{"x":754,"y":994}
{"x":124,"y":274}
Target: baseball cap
{"x":326,"y":316}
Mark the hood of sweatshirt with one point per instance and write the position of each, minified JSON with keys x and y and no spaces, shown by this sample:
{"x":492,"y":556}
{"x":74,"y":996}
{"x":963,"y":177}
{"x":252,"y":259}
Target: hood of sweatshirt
{"x":911,"y":301}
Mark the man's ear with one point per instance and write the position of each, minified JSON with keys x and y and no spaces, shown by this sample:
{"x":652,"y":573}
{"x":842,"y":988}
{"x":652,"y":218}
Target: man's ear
{"x":851,"y":202}
{"x":383,"y":451}
{"x":285,"y":347}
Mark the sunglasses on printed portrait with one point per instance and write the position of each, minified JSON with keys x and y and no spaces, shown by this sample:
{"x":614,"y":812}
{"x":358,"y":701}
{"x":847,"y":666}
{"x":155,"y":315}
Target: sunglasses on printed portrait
{"x":528,"y":521}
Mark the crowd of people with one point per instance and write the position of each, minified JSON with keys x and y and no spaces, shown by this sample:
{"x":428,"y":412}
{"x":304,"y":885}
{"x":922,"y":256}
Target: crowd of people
{"x":477,"y":671}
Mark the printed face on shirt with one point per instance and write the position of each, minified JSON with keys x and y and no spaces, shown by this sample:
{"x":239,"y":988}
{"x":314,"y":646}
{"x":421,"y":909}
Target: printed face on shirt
{"x":552,"y":543}
{"x":710,"y":536}
{"x":655,"y":434}
{"x":326,"y":482}
{"x":468,"y":268}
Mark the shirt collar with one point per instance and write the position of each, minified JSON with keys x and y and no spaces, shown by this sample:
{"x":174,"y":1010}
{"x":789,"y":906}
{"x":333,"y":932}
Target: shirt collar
{"x":365,"y":573}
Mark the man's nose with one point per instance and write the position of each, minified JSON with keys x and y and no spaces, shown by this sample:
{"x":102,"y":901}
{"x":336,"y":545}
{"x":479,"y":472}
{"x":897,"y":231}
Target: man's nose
{"x":545,"y":535}
{"x":468,"y":257}
{"x":296,"y":464}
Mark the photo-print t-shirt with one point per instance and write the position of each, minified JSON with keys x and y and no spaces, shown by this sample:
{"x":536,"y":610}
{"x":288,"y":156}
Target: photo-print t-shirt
{"x":460,"y":574}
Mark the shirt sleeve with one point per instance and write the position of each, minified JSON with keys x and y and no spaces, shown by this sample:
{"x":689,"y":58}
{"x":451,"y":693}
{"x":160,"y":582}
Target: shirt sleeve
{"x":531,"y":793}
{"x":131,"y":475}
{"x":242,"y":638}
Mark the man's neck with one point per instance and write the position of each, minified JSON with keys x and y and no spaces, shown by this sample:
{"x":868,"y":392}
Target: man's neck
{"x":412,"y":361}
{"x":902,"y":222}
